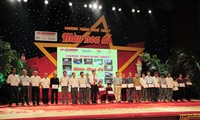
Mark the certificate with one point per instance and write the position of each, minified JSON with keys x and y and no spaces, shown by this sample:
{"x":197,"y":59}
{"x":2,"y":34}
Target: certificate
{"x":138,"y":87}
{"x":46,"y":86}
{"x":175,"y":88}
{"x":181,"y":84}
{"x":163,"y":86}
{"x":64,"y":84}
{"x":26,"y":83}
{"x":188,"y":83}
{"x":75,"y":86}
{"x":88,"y":85}
{"x":54,"y":86}
{"x":35,"y":84}
{"x":110,"y":92}
{"x":101,"y":89}
{"x":145,"y":86}
{"x":130,"y":85}
{"x":124,"y":85}
{"x":170,"y":86}
{"x":151,"y":85}
{"x":82,"y":85}
{"x":157,"y":86}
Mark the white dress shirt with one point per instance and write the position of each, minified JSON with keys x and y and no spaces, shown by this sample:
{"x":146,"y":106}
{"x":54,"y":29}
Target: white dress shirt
{"x":35,"y":81}
{"x":143,"y":82}
{"x":64,"y":81}
{"x":74,"y":82}
{"x":13,"y":80}
{"x":82,"y":82}
{"x":92,"y":80}
{"x":169,"y":81}
{"x":25,"y":80}
{"x":45,"y":82}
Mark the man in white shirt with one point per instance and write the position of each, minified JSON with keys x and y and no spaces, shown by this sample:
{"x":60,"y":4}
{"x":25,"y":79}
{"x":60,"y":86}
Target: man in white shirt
{"x":13,"y":81}
{"x":35,"y":83}
{"x":88,"y":89}
{"x":94,"y":89}
{"x":64,"y":81}
{"x":156,"y":87}
{"x":45,"y":82}
{"x":73,"y":81}
{"x":149,"y":81}
{"x":82,"y":88}
{"x":170,"y":83}
{"x":117,"y":82}
{"x":25,"y":82}
{"x":144,"y":88}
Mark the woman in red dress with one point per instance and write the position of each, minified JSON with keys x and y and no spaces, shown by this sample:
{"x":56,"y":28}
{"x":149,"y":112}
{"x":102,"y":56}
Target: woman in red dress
{"x":102,"y":93}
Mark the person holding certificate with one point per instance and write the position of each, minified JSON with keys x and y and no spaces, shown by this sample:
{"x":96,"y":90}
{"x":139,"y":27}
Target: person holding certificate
{"x":144,"y":88}
{"x":124,"y":88}
{"x":102,"y":92}
{"x":74,"y":82}
{"x":156,"y":87}
{"x":110,"y":93}
{"x":25,"y":82}
{"x":130,"y":87}
{"x":35,"y":83}
{"x":94,"y":89}
{"x":54,"y":84}
{"x":149,"y":81}
{"x":64,"y":81}
{"x":188,"y":88}
{"x":82,"y":88}
{"x":88,"y":95}
{"x":181,"y":87}
{"x":175,"y":90}
{"x":117,"y":82}
{"x":13,"y":81}
{"x":45,"y":82}
{"x":163,"y":89}
{"x":138,"y":88}
{"x":169,"y":81}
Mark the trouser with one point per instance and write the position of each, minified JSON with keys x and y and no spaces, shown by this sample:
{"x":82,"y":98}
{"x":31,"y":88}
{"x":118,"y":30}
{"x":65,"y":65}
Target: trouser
{"x":54,"y":92}
{"x":14,"y":94}
{"x":169,"y":94}
{"x":175,"y":95}
{"x":35,"y":94}
{"x":25,"y":94}
{"x":117,"y":89}
{"x":155,"y":94}
{"x":74,"y":94}
{"x":130,"y":94}
{"x":88,"y":95}
{"x":188,"y":93}
{"x":103,"y":97}
{"x":144,"y":94}
{"x":82,"y":92}
{"x":64,"y":93}
{"x":150,"y":93}
{"x":45,"y":95}
{"x":163,"y":93}
{"x":111,"y":98}
{"x":123,"y":90}
{"x":94,"y":90}
{"x":138,"y":95}
{"x":181,"y":92}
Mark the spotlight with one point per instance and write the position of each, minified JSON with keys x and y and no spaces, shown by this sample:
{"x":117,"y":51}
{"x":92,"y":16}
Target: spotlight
{"x":133,"y":10}
{"x":113,"y":8}
{"x":85,"y":5}
{"x":25,"y":0}
{"x":90,"y":6}
{"x":95,"y":6}
{"x":70,"y":3}
{"x":46,"y":2}
{"x":19,"y":0}
{"x":119,"y":9}
{"x":149,"y":11}
{"x":100,"y":7}
{"x":138,"y":11}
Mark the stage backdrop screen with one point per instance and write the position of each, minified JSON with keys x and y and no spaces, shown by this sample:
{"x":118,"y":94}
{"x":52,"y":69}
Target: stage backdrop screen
{"x":104,"y":61}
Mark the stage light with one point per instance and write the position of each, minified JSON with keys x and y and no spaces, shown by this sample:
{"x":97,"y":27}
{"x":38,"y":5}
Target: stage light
{"x":90,"y":6}
{"x":138,"y":11}
{"x":113,"y":8}
{"x":119,"y":9}
{"x":85,"y":5}
{"x":19,"y":0}
{"x":70,"y":3}
{"x":46,"y":2}
{"x":133,"y":10}
{"x":95,"y":6}
{"x":25,"y":0}
{"x":100,"y":7}
{"x":149,"y":11}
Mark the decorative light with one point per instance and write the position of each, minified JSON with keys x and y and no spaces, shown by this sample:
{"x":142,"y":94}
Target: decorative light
{"x":70,"y":3}
{"x":113,"y":8}
{"x":133,"y":10}
{"x":149,"y":11}
{"x":138,"y":11}
{"x":100,"y":7}
{"x":119,"y":9}
{"x":95,"y":6}
{"x":46,"y":2}
{"x":90,"y":6}
{"x":85,"y":5}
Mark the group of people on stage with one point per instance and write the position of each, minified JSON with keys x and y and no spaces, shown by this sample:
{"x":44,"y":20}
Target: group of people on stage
{"x":88,"y":88}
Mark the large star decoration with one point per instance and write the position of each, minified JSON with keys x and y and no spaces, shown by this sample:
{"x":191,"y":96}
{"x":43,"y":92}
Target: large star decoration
{"x":102,"y":20}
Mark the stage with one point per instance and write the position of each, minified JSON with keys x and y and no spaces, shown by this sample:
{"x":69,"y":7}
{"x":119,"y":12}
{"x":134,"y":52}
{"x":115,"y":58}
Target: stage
{"x":139,"y":111}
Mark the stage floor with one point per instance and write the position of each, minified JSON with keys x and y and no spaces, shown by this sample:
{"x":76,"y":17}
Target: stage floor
{"x":115,"y":110}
